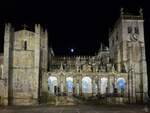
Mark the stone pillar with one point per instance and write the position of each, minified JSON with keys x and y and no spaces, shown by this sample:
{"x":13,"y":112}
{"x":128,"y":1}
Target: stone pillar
{"x":37,"y":60}
{"x":99,"y":85}
{"x":7,"y":50}
{"x":108,"y":85}
{"x":115,"y":81}
{"x":2,"y":71}
{"x":61,"y":85}
{"x":119,"y":59}
{"x":44,"y":88}
{"x":61,"y":88}
{"x":126,"y":87}
{"x":74,"y":86}
{"x":132,"y":93}
{"x":111,"y":91}
{"x":144,"y":79}
{"x":64,"y":83}
{"x":115,"y":85}
{"x":134,"y":86}
{"x":130,"y":73}
{"x":93,"y":86}
{"x":77,"y":87}
{"x":80,"y":85}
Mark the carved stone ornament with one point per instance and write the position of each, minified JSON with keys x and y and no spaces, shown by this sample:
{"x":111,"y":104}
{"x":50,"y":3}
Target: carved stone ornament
{"x":133,"y":37}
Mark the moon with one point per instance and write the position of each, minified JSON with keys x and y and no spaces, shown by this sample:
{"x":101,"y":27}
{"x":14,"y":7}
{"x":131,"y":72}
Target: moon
{"x":72,"y":50}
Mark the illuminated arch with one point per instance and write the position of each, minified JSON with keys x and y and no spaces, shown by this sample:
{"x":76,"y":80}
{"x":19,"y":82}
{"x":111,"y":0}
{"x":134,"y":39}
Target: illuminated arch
{"x":86,"y":85}
{"x":69,"y":84}
{"x":52,"y":84}
{"x":121,"y":83}
{"x":104,"y":82}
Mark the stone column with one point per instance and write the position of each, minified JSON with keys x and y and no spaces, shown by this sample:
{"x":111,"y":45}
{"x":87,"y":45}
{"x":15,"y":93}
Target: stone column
{"x":93,"y":86}
{"x":126,"y":88}
{"x":115,"y":85}
{"x":2,"y":71}
{"x":111,"y":85}
{"x":130,"y":87}
{"x":74,"y":85}
{"x":108,"y":86}
{"x":99,"y":85}
{"x":130,"y":73}
{"x":80,"y":85}
{"x":134,"y":86}
{"x":77,"y":86}
{"x":144,"y":79}
{"x":44,"y":88}
{"x":7,"y":54}
{"x":64,"y":84}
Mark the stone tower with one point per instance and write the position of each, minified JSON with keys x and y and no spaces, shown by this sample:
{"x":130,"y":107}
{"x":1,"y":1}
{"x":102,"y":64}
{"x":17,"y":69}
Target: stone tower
{"x":24,"y":56}
{"x":127,"y":52}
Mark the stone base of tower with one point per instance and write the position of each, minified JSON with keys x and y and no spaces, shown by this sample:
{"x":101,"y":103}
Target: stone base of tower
{"x":145,"y":98}
{"x":139,"y":98}
{"x":23,"y":101}
{"x":4,"y":101}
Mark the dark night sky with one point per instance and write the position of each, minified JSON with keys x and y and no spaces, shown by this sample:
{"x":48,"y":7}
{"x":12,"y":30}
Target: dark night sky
{"x":79,"y":25}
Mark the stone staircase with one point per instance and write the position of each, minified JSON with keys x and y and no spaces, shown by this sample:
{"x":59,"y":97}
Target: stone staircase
{"x":72,"y":100}
{"x":64,"y":100}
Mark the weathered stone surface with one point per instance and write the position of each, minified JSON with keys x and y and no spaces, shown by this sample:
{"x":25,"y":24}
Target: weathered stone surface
{"x":31,"y":74}
{"x":77,"y":109}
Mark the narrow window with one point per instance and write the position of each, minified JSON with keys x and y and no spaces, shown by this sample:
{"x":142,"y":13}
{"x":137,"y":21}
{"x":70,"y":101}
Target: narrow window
{"x":117,"y":36}
{"x":25,"y":45}
{"x":136,"y":30}
{"x":130,"y":29}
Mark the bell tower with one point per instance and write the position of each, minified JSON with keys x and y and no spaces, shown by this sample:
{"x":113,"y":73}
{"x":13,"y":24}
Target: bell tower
{"x":128,"y":54}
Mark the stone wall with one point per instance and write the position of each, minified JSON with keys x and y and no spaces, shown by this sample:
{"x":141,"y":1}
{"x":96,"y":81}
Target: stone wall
{"x":21,"y":65}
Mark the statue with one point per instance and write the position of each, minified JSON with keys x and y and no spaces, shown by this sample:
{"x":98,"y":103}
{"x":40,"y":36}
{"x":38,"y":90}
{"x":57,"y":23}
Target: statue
{"x":141,"y":11}
{"x":121,"y":11}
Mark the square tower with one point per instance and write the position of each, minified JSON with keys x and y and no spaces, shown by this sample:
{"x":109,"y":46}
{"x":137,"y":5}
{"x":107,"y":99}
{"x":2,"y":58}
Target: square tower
{"x":127,"y":49}
{"x":22,"y":64}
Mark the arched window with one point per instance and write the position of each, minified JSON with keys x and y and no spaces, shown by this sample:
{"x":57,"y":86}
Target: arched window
{"x":129,"y":29}
{"x":25,"y":45}
{"x":86,"y":85}
{"x":121,"y":84}
{"x":104,"y":82}
{"x":136,"y":30}
{"x":69,"y":83}
{"x":52,"y":85}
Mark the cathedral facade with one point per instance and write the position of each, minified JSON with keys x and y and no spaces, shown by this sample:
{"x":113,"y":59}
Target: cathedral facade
{"x":31,"y":74}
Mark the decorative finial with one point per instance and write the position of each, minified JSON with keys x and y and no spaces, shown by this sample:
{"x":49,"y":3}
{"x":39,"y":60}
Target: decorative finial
{"x":121,"y":11}
{"x":61,"y":67}
{"x":113,"y":68}
{"x":24,"y":26}
{"x":141,"y":11}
